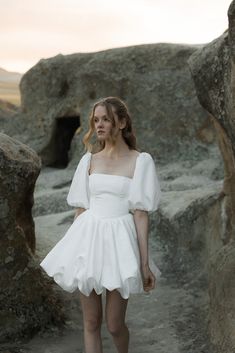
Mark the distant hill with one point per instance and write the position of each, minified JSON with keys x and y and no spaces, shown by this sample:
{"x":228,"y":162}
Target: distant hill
{"x":7,"y":76}
{"x":9,"y":86}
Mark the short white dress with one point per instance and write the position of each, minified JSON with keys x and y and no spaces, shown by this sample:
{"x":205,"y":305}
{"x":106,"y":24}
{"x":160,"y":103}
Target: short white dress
{"x":100,"y":249}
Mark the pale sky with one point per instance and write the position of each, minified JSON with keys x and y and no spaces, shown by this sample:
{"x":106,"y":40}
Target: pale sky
{"x":35,"y":29}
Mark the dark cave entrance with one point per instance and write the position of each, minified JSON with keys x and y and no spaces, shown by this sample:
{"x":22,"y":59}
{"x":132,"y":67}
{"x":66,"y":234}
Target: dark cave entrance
{"x":56,"y":153}
{"x":64,"y":132}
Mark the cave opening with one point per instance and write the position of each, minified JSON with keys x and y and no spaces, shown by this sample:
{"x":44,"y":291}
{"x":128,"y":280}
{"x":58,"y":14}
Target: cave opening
{"x":64,"y":132}
{"x":56,"y":153}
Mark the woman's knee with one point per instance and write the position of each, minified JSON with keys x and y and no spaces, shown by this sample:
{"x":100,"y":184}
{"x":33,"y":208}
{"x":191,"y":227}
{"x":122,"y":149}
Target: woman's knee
{"x":115,"y":327}
{"x":93,"y":324}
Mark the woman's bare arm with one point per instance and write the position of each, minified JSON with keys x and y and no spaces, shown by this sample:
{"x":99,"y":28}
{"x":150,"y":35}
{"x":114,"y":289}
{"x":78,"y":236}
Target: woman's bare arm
{"x":141,"y":220}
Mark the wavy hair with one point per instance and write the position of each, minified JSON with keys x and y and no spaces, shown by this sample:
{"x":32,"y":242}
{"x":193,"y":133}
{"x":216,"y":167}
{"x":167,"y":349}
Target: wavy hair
{"x":122,"y":113}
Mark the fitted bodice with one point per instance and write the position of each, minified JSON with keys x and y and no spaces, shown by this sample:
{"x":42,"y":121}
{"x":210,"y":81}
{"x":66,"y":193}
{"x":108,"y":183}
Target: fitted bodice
{"x":109,"y":194}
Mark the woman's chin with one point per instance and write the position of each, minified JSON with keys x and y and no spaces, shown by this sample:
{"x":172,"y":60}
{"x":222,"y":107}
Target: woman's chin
{"x":101,"y":137}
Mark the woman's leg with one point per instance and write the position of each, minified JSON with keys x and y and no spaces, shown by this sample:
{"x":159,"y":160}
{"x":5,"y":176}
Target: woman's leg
{"x":115,"y":311}
{"x":92,"y":320}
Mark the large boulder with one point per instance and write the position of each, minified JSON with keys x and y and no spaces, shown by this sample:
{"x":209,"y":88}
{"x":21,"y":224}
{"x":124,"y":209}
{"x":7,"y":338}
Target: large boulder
{"x":9,"y":117}
{"x":154,"y":80}
{"x":213,"y":71}
{"x":27,"y":302}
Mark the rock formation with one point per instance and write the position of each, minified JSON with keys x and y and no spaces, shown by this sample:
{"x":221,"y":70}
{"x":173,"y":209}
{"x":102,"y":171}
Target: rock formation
{"x":11,"y":121}
{"x":26,"y":300}
{"x":213,"y":72}
{"x":155,"y":81}
{"x":58,"y":93}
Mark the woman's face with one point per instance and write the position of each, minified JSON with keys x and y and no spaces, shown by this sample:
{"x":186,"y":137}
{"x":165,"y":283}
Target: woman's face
{"x":103,"y":124}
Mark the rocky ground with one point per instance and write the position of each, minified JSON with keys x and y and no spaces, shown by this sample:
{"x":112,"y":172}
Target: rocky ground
{"x":172,"y":318}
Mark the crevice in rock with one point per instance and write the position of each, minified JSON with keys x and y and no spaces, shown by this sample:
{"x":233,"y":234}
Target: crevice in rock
{"x":55,"y":153}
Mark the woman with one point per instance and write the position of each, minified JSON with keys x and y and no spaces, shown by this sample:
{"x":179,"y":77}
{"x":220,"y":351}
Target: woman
{"x":106,"y":247}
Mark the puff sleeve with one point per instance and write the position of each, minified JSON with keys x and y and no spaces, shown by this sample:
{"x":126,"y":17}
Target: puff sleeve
{"x":78,"y":195}
{"x":145,"y":192}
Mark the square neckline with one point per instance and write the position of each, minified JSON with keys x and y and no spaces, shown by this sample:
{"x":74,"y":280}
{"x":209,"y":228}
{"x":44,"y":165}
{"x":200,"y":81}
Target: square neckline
{"x":112,"y":175}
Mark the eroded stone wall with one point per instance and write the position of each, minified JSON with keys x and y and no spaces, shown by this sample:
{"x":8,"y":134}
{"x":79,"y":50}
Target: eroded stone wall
{"x":27,"y":302}
{"x":213,"y":71}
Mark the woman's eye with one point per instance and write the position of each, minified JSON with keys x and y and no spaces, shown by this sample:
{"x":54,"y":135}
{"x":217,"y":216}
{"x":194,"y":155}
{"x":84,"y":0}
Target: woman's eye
{"x":105,"y":119}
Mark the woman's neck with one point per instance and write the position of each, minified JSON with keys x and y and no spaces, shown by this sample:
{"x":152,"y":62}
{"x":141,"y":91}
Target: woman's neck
{"x":116,"y":151}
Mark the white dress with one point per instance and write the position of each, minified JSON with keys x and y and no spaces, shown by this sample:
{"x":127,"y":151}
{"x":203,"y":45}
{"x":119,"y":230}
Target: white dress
{"x":100,"y":249}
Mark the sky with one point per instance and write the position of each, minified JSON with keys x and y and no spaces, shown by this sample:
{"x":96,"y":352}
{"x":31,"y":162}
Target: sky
{"x":35,"y":29}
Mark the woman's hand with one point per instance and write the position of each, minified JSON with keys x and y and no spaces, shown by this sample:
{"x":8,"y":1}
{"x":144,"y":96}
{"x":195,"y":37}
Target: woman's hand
{"x":149,"y":280}
{"x":78,"y":211}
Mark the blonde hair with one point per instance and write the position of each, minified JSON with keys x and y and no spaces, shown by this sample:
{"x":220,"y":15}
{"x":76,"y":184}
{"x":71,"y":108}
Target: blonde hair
{"x":122,"y":112}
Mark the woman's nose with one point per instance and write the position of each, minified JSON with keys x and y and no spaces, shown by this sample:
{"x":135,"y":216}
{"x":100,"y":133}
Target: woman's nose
{"x":99,"y":124}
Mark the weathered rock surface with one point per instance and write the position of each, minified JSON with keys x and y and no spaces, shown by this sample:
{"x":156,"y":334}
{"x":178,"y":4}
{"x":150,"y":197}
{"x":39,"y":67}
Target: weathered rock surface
{"x":154,"y":80}
{"x":26,"y":300}
{"x":8,"y":117}
{"x":213,"y":72}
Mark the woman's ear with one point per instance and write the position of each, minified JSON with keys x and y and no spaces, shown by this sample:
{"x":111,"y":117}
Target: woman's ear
{"x":122,"y":124}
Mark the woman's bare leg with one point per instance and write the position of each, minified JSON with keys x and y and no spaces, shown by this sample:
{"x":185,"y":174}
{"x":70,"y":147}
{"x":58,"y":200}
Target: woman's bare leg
{"x":115,"y":311}
{"x":92,"y":321}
